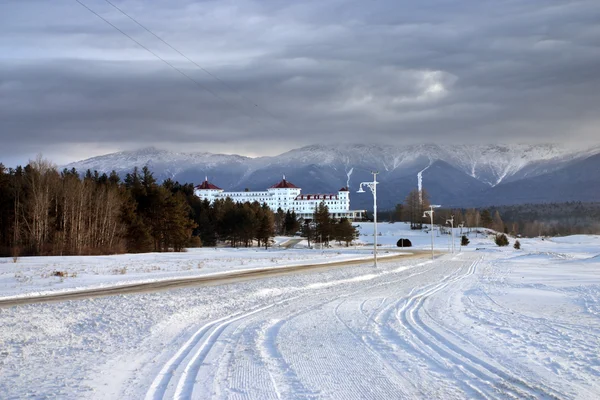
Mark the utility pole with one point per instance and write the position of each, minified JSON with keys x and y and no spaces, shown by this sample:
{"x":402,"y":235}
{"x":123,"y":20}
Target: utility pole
{"x":451,"y":222}
{"x":429,"y":213}
{"x":373,"y":187}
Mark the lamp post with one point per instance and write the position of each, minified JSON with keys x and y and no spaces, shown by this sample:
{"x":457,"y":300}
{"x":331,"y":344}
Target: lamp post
{"x":425,"y":215}
{"x":373,"y":187}
{"x":429,"y":213}
{"x":451,"y":222}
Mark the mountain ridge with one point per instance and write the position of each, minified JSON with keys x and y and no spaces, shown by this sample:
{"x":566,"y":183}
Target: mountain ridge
{"x":328,"y":167}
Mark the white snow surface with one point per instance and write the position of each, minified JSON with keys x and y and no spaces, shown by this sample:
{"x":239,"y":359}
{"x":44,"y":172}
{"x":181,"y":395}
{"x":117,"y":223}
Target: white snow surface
{"x":487,"y":323}
{"x":35,"y":276}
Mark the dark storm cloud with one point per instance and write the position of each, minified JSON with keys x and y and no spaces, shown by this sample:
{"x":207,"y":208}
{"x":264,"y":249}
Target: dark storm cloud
{"x":390,"y":71}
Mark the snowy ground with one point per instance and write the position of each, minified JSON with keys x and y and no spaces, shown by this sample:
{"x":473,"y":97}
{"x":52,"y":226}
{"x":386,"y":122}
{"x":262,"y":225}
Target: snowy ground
{"x":488,"y":323}
{"x":33,"y":276}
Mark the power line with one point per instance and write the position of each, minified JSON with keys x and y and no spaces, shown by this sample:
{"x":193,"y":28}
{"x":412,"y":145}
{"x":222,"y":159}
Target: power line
{"x":162,"y":59}
{"x":255,"y":104}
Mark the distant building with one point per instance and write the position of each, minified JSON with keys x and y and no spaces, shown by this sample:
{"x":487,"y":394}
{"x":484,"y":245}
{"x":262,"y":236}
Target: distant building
{"x":287,"y":196}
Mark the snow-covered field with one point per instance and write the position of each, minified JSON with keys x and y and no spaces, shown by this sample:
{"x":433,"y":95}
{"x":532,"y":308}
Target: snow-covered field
{"x":487,"y":323}
{"x":34,"y":276}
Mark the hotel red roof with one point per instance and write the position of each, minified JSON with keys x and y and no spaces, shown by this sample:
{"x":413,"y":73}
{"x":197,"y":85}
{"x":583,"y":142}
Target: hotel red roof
{"x":344,"y":189}
{"x":284,"y":185}
{"x":207,"y":185}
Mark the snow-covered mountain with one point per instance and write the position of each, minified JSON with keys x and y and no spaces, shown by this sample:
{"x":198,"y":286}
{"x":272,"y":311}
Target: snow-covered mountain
{"x":453,"y":174}
{"x":491,"y":164}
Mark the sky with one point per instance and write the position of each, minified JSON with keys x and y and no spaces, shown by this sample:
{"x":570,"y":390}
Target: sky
{"x":271,"y":75}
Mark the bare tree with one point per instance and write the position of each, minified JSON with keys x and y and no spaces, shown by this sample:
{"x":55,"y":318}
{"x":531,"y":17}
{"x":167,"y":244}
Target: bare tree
{"x":415,"y":204}
{"x":41,"y":177}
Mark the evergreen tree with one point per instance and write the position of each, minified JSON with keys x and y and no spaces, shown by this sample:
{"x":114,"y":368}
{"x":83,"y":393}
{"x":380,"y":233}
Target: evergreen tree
{"x":248,"y":222}
{"x":399,"y":212}
{"x":176,"y":228}
{"x":323,"y":224}
{"x":486,"y":219}
{"x":501,"y":240}
{"x":308,"y":230}
{"x":114,"y":178}
{"x":206,"y":219}
{"x":345,"y":232}
{"x":280,"y":222}
{"x":137,"y":234}
{"x":291,"y":224}
{"x":497,"y":224}
{"x":266,"y":225}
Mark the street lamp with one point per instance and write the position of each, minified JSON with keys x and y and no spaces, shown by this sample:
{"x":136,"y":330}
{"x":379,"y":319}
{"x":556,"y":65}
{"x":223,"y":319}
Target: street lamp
{"x":429,"y":213}
{"x":451,"y":222}
{"x":373,"y":187}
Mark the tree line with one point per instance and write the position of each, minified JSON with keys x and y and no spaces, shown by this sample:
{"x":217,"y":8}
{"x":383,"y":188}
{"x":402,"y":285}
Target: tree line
{"x":47,"y":212}
{"x":529,"y":220}
{"x":416,"y":203}
{"x":323,"y":229}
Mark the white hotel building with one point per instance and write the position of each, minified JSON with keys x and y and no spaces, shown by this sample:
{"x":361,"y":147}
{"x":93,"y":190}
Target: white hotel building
{"x":287,"y":196}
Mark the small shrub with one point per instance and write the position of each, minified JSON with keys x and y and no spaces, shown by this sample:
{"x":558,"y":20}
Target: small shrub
{"x":517,"y":245}
{"x":464,"y":240}
{"x":61,"y":274}
{"x":404,"y":243}
{"x":501,"y":240}
{"x":195,"y":241}
{"x":15,"y":252}
{"x":120,"y":271}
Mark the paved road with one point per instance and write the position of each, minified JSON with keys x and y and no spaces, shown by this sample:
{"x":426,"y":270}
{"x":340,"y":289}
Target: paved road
{"x":290,"y":243}
{"x":195,"y":281}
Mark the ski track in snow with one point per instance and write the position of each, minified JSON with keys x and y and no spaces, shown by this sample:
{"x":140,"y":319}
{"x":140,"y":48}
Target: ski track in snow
{"x":385,"y":333}
{"x":184,"y":369}
{"x":482,"y":376}
{"x":435,"y":329}
{"x":187,"y":367}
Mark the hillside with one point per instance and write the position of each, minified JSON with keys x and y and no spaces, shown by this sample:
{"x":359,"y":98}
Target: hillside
{"x":457,"y":175}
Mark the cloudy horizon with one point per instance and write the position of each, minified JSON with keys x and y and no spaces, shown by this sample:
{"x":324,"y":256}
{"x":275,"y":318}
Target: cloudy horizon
{"x":285,"y":75}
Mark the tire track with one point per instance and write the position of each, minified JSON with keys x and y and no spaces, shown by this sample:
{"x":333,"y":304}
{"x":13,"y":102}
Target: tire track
{"x":185,"y":385}
{"x":160,"y":383}
{"x":551,"y":393}
{"x":390,"y":366}
{"x":374,"y":343}
{"x":200,"y":343}
{"x":384,"y":336}
{"x":288,"y":383}
{"x":495,"y":378}
{"x":284,"y":379}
